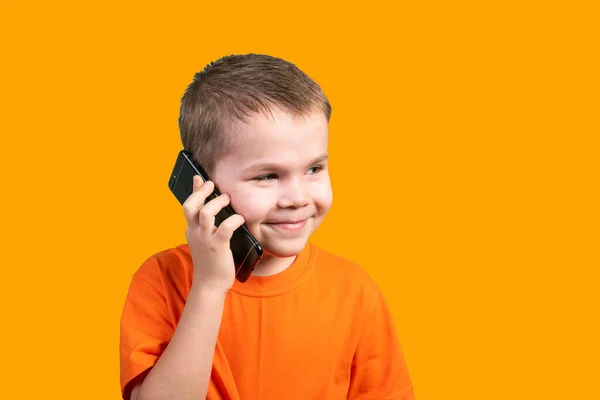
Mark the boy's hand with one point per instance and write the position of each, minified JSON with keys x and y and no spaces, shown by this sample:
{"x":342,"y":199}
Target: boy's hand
{"x":214,"y":268}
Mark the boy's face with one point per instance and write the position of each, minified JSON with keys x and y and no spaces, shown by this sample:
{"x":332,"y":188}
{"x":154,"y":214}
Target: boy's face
{"x":276,"y":174}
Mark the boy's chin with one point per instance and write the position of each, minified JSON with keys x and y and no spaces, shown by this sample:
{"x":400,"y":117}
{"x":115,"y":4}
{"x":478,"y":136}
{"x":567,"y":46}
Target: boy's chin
{"x":283,"y":249}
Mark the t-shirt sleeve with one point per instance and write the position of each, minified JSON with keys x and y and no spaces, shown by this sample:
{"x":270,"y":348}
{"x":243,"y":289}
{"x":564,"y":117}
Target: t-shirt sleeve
{"x":146,"y":326}
{"x":379,"y":370}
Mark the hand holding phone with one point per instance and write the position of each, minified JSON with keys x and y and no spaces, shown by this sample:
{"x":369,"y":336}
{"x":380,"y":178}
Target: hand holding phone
{"x":209,"y":245}
{"x":213,"y":225}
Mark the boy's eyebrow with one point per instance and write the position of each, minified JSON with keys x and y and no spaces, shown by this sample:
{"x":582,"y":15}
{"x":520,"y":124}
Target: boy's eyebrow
{"x":273,"y":166}
{"x":320,"y":159}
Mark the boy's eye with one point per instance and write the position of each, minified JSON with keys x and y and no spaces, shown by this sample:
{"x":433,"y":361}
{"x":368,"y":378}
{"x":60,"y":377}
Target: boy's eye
{"x":267,"y":177}
{"x":315,"y":169}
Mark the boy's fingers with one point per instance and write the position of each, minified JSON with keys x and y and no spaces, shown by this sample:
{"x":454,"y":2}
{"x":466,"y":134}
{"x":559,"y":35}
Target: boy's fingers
{"x":207,"y":213}
{"x":196,"y":201}
{"x":197,"y":182}
{"x":227,"y":227}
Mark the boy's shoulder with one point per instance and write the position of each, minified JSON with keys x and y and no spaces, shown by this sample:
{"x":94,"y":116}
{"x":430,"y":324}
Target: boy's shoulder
{"x":171,"y":264}
{"x":338,"y":269}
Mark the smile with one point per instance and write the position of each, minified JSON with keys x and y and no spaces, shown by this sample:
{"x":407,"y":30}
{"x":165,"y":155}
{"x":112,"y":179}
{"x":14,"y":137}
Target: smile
{"x":289,"y":225}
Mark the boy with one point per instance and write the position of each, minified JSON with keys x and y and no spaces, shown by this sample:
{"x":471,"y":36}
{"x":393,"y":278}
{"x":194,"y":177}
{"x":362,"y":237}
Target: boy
{"x":307,"y":324}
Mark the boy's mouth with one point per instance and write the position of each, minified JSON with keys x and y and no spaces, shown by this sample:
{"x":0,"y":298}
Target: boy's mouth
{"x":289,"y":225}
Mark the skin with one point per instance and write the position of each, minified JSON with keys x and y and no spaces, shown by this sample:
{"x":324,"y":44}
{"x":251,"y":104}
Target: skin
{"x":275,"y":176}
{"x":276,"y":172}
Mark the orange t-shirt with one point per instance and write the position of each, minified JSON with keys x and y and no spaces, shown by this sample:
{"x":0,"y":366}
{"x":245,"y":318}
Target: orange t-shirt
{"x":321,"y":329}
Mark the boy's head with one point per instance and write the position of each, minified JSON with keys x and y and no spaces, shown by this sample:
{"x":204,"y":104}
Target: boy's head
{"x":258,"y":126}
{"x":228,"y":90}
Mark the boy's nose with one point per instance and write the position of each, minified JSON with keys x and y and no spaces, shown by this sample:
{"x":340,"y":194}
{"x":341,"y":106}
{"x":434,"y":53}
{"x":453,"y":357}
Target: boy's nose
{"x":294,"y":194}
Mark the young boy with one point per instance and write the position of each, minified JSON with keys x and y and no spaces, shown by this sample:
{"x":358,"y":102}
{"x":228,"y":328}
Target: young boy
{"x":307,"y":324}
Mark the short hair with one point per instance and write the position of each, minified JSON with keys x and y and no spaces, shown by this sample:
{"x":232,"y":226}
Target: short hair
{"x":228,"y":89}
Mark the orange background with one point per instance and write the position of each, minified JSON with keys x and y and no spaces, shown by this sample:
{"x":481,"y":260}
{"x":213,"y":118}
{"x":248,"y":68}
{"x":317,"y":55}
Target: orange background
{"x":464,"y":160}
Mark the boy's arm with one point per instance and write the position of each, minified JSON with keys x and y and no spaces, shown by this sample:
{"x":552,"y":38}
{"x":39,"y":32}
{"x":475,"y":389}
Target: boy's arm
{"x":183,"y":370}
{"x":378,"y":368}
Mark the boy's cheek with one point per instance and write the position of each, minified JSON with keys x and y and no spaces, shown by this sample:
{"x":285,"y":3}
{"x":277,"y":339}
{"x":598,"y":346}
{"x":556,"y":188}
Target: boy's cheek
{"x":250,"y":207}
{"x":323,"y":195}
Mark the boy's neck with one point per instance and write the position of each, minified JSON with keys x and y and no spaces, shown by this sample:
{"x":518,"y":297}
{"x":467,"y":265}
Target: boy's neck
{"x":271,"y":265}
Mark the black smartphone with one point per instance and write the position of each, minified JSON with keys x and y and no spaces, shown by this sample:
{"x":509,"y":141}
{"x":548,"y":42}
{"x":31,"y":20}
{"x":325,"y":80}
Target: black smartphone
{"x":246,"y":250}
